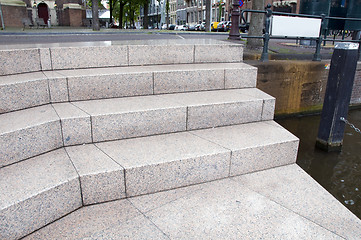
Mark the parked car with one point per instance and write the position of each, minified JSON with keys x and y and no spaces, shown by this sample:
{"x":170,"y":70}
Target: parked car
{"x":203,"y":26}
{"x":244,"y":27}
{"x":191,"y":28}
{"x":214,"y":26}
{"x":224,"y":26}
{"x":181,"y":28}
{"x":171,"y":26}
{"x":164,"y":27}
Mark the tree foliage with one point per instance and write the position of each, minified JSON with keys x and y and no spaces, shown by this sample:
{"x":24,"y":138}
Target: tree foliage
{"x":126,"y":11}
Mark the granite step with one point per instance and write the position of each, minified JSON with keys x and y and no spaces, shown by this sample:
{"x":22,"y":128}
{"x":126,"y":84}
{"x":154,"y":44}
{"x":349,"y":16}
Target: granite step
{"x":14,"y":61}
{"x":26,"y":90}
{"x":121,"y":118}
{"x":27,"y":133}
{"x":37,"y":192}
{"x":42,"y":189}
{"x":279,"y":203}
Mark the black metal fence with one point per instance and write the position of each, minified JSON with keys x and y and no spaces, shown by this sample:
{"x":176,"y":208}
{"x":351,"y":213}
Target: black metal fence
{"x":321,"y":38}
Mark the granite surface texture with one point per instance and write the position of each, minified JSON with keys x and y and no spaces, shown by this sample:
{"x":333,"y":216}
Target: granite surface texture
{"x":36,"y":192}
{"x":164,"y":178}
{"x":101,"y":178}
{"x":164,"y":162}
{"x":27,"y":133}
{"x":246,"y":207}
{"x":23,"y":91}
{"x":75,"y":124}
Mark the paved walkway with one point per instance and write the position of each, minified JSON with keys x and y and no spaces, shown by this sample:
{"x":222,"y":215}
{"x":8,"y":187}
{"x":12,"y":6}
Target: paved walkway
{"x":278,"y":49}
{"x":280,"y":203}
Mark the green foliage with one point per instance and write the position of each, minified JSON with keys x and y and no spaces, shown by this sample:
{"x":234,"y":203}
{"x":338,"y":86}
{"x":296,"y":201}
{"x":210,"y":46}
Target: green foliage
{"x":130,"y":10}
{"x":89,"y":4}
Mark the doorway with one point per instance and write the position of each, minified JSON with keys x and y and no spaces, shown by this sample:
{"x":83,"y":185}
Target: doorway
{"x":43,"y":12}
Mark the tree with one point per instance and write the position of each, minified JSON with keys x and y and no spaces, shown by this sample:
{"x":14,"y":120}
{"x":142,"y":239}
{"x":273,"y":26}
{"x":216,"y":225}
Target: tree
{"x":208,"y":15}
{"x":167,"y":9}
{"x":256,"y":25}
{"x":145,"y":19}
{"x":95,"y":15}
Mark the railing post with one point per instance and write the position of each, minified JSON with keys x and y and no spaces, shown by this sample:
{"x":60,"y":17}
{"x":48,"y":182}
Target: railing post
{"x":234,"y":33}
{"x":266,"y":37}
{"x":317,"y":55}
{"x":359,"y":49}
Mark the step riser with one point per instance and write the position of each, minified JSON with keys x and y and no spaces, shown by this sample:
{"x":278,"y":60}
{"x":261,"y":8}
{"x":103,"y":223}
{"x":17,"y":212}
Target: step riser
{"x":29,"y":142}
{"x":37,"y":192}
{"x":25,"y":217}
{"x":32,"y":60}
{"x":53,"y":87}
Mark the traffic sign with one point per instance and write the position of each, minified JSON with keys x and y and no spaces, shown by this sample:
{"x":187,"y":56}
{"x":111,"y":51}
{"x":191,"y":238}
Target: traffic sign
{"x":240,"y":3}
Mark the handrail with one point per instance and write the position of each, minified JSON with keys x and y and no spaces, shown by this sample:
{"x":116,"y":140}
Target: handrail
{"x":266,"y":36}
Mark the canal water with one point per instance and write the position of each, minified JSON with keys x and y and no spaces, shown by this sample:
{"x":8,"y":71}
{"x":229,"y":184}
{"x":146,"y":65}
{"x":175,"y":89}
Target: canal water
{"x":338,"y":172}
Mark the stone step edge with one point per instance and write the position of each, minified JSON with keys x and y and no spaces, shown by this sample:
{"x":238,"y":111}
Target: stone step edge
{"x":73,"y":85}
{"x":92,"y":181}
{"x":67,"y":124}
{"x":30,"y":60}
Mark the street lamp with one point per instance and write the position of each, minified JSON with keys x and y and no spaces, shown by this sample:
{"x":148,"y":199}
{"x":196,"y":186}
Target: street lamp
{"x":234,"y":33}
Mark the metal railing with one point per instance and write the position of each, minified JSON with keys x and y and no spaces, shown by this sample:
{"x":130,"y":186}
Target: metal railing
{"x":267,"y":36}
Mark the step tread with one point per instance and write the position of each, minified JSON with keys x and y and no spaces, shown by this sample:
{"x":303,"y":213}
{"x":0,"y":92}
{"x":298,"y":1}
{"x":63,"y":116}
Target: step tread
{"x":124,"y":105}
{"x":29,"y":178}
{"x":153,"y":68}
{"x":253,"y":135}
{"x":257,"y":206}
{"x":27,"y":118}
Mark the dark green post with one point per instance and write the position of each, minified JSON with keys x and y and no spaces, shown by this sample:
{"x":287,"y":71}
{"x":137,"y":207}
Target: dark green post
{"x":337,"y":97}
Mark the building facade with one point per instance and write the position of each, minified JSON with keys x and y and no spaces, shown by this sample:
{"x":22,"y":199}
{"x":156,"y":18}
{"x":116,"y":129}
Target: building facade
{"x":194,"y":11}
{"x":53,"y":12}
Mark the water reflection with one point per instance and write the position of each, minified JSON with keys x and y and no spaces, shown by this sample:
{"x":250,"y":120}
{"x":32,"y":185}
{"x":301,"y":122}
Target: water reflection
{"x":339,"y":173}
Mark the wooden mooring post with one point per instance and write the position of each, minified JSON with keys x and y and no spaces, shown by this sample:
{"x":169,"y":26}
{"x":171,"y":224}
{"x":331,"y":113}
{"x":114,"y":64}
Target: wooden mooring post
{"x":337,"y":98}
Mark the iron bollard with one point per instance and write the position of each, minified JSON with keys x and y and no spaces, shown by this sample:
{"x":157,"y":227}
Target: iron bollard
{"x":337,"y":98}
{"x":317,"y":55}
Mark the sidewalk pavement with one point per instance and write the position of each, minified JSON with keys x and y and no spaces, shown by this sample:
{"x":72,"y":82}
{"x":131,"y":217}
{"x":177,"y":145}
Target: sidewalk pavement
{"x":284,"y":49}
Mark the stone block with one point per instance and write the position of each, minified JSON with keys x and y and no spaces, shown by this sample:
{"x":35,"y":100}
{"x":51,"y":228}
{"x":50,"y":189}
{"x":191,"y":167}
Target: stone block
{"x":37,"y":192}
{"x":23,"y":91}
{"x":269,"y":103}
{"x":27,"y":133}
{"x":121,"y":118}
{"x":255,"y":146}
{"x":243,"y":77}
{"x":75,"y":124}
{"x":95,"y":85}
{"x":88,"y":57}
{"x":168,"y":161}
{"x":220,"y":53}
{"x":101,"y":178}
{"x":188,"y":80}
{"x":160,"y":54}
{"x":45,"y":59}
{"x":19,"y":61}
{"x":218,"y":108}
{"x":58,"y":87}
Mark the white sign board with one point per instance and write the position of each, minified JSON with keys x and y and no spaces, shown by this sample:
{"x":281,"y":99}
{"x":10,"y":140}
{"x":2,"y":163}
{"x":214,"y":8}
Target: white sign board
{"x":295,"y":26}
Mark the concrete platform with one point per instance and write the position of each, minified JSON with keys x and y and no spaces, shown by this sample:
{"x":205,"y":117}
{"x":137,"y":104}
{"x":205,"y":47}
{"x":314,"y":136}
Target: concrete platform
{"x":280,"y":203}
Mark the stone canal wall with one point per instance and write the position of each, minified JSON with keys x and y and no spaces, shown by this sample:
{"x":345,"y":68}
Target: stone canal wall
{"x":299,"y":86}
